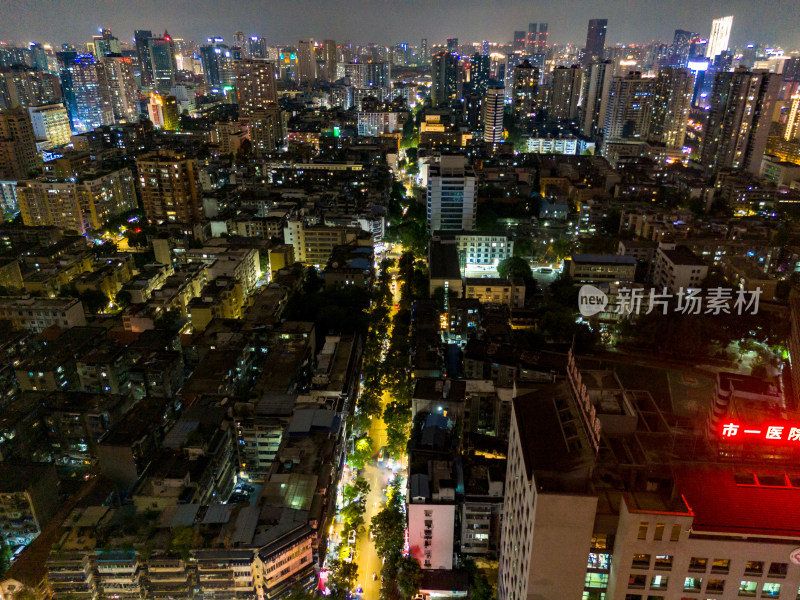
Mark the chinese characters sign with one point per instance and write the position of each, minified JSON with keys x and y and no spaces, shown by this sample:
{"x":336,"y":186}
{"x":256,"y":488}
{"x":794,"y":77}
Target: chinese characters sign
{"x":773,"y":433}
{"x":688,"y":302}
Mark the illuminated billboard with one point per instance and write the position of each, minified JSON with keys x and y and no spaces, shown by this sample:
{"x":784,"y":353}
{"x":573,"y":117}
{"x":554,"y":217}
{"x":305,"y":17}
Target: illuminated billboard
{"x":780,"y":432}
{"x":698,"y":65}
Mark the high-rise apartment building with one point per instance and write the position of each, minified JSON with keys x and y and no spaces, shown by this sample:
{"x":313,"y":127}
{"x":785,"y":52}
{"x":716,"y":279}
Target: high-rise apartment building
{"x":424,"y":52}
{"x":520,"y":41}
{"x":629,"y":108}
{"x":330,"y":59}
{"x":80,"y":204}
{"x":595,"y":41}
{"x":479,"y":73}
{"x":118,"y":77}
{"x":170,"y":187}
{"x":451,"y":194}
{"x":565,"y":92}
{"x":672,"y":99}
{"x":23,"y":86}
{"x":720,"y":35}
{"x":596,"y":85}
{"x":256,"y":85}
{"x":682,"y":46}
{"x":452,"y":45}
{"x":492,"y":113}
{"x":86,"y":95}
{"x":140,"y":38}
{"x":792,"y":131}
{"x":737,"y":128}
{"x":163,"y":111}
{"x":525,"y":89}
{"x":50,"y":122}
{"x":267,"y":131}
{"x":306,"y":62}
{"x":444,"y":78}
{"x":18,"y":157}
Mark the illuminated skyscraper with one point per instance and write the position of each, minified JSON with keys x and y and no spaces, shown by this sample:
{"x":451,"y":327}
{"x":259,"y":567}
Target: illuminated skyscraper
{"x":330,"y":60}
{"x":594,"y":97}
{"x":451,"y":194}
{"x":525,"y":89}
{"x":595,"y":41}
{"x":424,"y":52}
{"x":541,"y":40}
{"x":306,"y":62}
{"x":218,"y":66}
{"x":479,"y":72}
{"x":720,"y":34}
{"x":255,"y":84}
{"x":162,"y":62}
{"x":163,"y":112}
{"x":18,"y":157}
{"x":267,"y":132}
{"x":737,"y":128}
{"x":672,"y":100}
{"x":141,"y":38}
{"x":239,"y":41}
{"x":452,"y":45}
{"x":105,"y":43}
{"x":38,"y":57}
{"x":565,"y":93}
{"x":520,"y":41}
{"x":492,"y":115}
{"x":85,"y":92}
{"x":682,"y":46}
{"x":51,"y":123}
{"x":170,"y":187}
{"x":444,"y":73}
{"x":792,"y":131}
{"x":629,"y":108}
{"x":117,"y":75}
{"x":531,"y":41}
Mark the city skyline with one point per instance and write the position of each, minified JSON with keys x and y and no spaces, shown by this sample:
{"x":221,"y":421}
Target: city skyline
{"x":471,"y":21}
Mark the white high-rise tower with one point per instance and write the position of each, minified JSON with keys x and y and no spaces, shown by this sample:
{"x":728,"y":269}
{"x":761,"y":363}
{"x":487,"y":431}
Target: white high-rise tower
{"x":720,"y":34}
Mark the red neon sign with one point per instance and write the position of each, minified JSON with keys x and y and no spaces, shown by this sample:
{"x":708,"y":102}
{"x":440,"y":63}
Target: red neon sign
{"x":771,"y":433}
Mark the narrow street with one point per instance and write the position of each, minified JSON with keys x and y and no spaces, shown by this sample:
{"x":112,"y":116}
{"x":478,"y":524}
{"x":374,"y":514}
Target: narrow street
{"x":377,"y":474}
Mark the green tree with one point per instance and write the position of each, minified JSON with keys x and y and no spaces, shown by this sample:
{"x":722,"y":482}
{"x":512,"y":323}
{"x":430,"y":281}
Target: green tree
{"x":342,"y":578}
{"x":562,"y":248}
{"x":359,"y":488}
{"x":300,"y":593}
{"x":514,"y":266}
{"x":409,"y":576}
{"x":388,"y":526}
{"x":362,"y":453}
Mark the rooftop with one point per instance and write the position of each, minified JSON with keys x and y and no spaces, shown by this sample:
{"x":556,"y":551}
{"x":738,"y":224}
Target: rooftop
{"x":681,"y":255}
{"x":603,"y":259}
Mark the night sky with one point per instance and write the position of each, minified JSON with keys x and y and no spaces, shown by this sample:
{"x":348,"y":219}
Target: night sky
{"x":363,"y":21}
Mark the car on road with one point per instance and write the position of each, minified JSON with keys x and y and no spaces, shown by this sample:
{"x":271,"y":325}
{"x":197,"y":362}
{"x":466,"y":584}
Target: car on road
{"x":545,"y":270}
{"x":351,"y":538}
{"x":381,"y":453}
{"x":374,"y":577}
